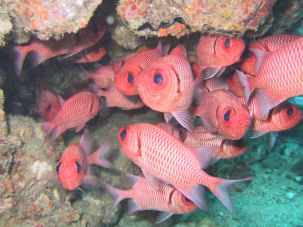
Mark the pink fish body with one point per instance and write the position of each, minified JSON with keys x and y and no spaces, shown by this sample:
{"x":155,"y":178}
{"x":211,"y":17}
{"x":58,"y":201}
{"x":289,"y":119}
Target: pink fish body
{"x":279,"y":78}
{"x":92,"y":54}
{"x":162,"y":156}
{"x":69,"y":45}
{"x":103,"y":77}
{"x":145,"y":197}
{"x":72,"y":168}
{"x":75,"y":112}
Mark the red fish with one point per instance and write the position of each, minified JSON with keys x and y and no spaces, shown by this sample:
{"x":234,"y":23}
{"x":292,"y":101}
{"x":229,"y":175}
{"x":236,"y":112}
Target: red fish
{"x":75,"y":112}
{"x":91,"y":54}
{"x":47,"y":104}
{"x":234,"y":84}
{"x":280,"y":76}
{"x":224,"y":112}
{"x":167,"y":85}
{"x":145,"y":197}
{"x":68,"y":46}
{"x":119,"y":63}
{"x":73,"y":167}
{"x":269,"y":44}
{"x":103,"y":77}
{"x":161,"y":156}
{"x":216,"y":52}
{"x":282,"y":117}
{"x":125,"y":77}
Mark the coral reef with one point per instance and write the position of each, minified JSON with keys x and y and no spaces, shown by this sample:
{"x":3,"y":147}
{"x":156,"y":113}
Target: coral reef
{"x":177,"y":18}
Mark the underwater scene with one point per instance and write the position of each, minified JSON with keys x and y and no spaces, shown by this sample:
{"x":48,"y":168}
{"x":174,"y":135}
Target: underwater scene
{"x":151,"y":113}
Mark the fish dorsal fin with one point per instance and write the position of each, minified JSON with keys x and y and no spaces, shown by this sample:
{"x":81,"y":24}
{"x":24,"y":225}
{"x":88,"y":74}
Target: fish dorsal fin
{"x":152,"y":179}
{"x":260,"y":57}
{"x":85,"y":142}
{"x":179,"y":50}
{"x":184,"y":118}
{"x":61,"y":100}
{"x":204,"y":155}
{"x":163,"y":216}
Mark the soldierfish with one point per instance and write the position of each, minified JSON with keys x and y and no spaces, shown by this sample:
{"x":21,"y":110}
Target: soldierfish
{"x":47,"y":104}
{"x":268,"y":44}
{"x":161,"y":156}
{"x":216,"y":52}
{"x":126,"y":76}
{"x":71,"y":44}
{"x":144,"y":196}
{"x":167,"y":85}
{"x":75,"y":112}
{"x":225,"y":113}
{"x":280,"y":76}
{"x":91,"y":54}
{"x":73,"y":167}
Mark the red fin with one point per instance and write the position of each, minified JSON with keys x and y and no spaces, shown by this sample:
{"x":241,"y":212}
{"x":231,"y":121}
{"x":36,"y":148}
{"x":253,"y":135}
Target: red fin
{"x":36,"y":59}
{"x":244,"y":81}
{"x":179,"y":50}
{"x":184,"y":118}
{"x":260,"y":56}
{"x":19,"y":54}
{"x":61,"y":100}
{"x":213,"y":71}
{"x":98,"y":157}
{"x":132,"y":207}
{"x":196,"y":195}
{"x":115,"y":193}
{"x":85,"y":142}
{"x":204,"y":155}
{"x":47,"y":127}
{"x":152,"y":179}
{"x":90,"y":181}
{"x":168,"y":117}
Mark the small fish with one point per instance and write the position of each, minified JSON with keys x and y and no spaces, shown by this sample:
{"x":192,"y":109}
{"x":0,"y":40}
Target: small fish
{"x":161,"y":156}
{"x":224,"y":112}
{"x":91,"y":54}
{"x":70,"y":45}
{"x":73,"y":167}
{"x":103,"y":77}
{"x":75,"y":112}
{"x":268,"y":44}
{"x":125,"y":77}
{"x":167,"y":85}
{"x":216,"y":52}
{"x":143,"y":196}
{"x":282,"y":117}
{"x":280,"y":76}
{"x":47,"y":104}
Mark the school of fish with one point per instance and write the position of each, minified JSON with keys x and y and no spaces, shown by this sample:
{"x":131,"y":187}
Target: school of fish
{"x":251,"y":100}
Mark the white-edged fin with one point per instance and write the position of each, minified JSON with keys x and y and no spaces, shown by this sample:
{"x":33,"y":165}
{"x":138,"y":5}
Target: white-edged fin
{"x":168,"y":117}
{"x":130,"y":179}
{"x":258,"y":133}
{"x":98,"y":157}
{"x":213,"y":71}
{"x":196,"y":195}
{"x":60,"y":100}
{"x":184,"y":118}
{"x":152,"y":179}
{"x":79,"y":127}
{"x":163,"y":216}
{"x":132,"y":207}
{"x":272,"y":140}
{"x":85,"y":142}
{"x":260,"y":57}
{"x":90,"y":181}
{"x":115,"y":193}
{"x":19,"y":55}
{"x":204,"y":155}
{"x":36,"y":59}
{"x":264,"y":104}
{"x":244,"y":81}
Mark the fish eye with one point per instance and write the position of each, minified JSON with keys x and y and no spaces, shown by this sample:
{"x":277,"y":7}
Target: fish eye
{"x":123,"y":134}
{"x":227,"y":115}
{"x":49,"y":107}
{"x":79,"y":168}
{"x":58,"y":167}
{"x":130,"y":77}
{"x":158,"y":78}
{"x":227,"y":43}
{"x":289,"y":111}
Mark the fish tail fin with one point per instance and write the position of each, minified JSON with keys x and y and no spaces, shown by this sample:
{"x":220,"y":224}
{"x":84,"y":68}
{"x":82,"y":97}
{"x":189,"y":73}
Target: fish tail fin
{"x":220,"y":188}
{"x":19,"y":54}
{"x":115,"y":193}
{"x":36,"y":59}
{"x":52,"y":132}
{"x":98,"y":157}
{"x":244,"y":81}
{"x":47,"y":127}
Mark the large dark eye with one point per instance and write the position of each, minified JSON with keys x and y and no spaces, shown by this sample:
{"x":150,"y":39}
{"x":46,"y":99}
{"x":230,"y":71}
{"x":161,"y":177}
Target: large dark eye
{"x":227,"y":43}
{"x":289,"y":111}
{"x":130,"y":77}
{"x":49,"y":107}
{"x":123,"y":134}
{"x":158,"y":78}
{"x":227,"y":115}
{"x":79,"y":168}
{"x":58,"y":167}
